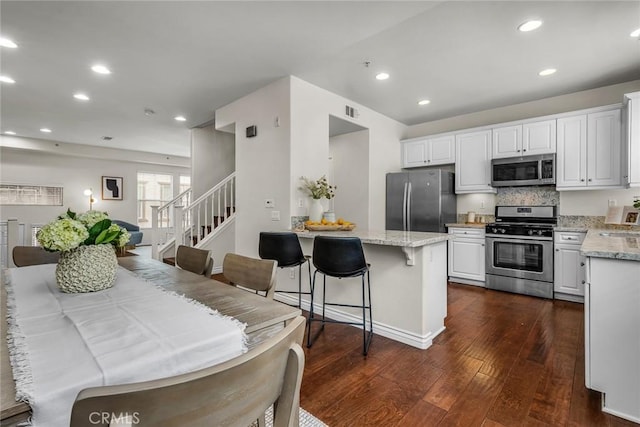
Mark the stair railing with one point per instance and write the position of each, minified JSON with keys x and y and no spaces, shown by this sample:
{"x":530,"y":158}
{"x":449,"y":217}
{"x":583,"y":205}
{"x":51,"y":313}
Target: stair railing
{"x":162,"y":220}
{"x":206,"y":214}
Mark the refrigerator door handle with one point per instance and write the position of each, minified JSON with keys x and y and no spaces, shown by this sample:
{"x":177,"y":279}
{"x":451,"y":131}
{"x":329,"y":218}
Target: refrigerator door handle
{"x":404,"y":208}
{"x":408,"y":227}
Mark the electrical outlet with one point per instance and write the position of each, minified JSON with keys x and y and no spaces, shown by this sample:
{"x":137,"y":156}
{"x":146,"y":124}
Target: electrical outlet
{"x":300,"y":203}
{"x":275,"y":216}
{"x":292,"y":273}
{"x":612,"y":202}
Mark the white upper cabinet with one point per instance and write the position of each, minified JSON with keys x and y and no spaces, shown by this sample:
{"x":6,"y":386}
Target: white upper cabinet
{"x":632,"y":119}
{"x":473,"y":162}
{"x":524,"y":139}
{"x":589,"y":151}
{"x":428,"y":151}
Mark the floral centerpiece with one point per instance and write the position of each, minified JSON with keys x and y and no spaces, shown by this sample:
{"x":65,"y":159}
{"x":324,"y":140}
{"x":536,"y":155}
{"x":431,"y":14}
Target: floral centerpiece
{"x":317,"y":190}
{"x":87,"y":245}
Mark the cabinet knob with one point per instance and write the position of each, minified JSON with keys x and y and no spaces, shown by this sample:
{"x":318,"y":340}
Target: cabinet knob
{"x":582,"y":180}
{"x":557,"y":250}
{"x":589,"y":180}
{"x":582,"y":264}
{"x":583,"y":282}
{"x":524,"y":149}
{"x":429,"y":161}
{"x":483,"y":245}
{"x":518,"y":151}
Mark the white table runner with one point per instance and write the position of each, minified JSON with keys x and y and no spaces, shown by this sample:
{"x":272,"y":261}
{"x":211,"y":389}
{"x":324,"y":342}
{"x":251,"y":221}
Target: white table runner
{"x":62,"y":343}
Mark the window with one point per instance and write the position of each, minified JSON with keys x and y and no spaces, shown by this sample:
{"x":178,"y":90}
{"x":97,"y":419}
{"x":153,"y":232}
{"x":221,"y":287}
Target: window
{"x":11,"y":194}
{"x":153,"y":190}
{"x":185,"y":183}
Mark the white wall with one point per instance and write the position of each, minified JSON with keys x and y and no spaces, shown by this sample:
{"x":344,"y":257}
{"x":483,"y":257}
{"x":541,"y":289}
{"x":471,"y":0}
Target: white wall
{"x":74,"y":174}
{"x":213,"y":158}
{"x":349,"y":154}
{"x":262,"y":162}
{"x":310,"y":110}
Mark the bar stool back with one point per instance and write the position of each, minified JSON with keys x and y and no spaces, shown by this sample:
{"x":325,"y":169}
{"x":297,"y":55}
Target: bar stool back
{"x":341,"y":257}
{"x":284,"y":247}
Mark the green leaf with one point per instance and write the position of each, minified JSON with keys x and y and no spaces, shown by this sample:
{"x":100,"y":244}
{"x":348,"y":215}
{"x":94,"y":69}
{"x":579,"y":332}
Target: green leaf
{"x":110,"y":236}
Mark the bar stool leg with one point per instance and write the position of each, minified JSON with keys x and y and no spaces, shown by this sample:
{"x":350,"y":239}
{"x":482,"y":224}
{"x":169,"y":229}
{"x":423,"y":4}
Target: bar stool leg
{"x":311,"y":316}
{"x":300,"y":286}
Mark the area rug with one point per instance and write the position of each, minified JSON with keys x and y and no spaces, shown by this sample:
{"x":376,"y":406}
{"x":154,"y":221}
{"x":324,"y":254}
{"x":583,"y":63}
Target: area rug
{"x":306,"y":419}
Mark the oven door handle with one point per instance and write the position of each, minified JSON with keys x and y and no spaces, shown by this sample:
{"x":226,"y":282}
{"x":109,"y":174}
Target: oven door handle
{"x":522,"y":239}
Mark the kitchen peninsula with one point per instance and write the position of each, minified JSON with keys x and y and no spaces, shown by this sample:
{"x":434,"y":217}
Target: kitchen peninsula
{"x":408,"y":283}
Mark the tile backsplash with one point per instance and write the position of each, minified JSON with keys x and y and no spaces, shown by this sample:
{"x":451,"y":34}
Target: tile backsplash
{"x":528,"y":196}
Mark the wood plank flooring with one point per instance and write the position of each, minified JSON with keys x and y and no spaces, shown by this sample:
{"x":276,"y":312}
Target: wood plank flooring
{"x":504,"y":360}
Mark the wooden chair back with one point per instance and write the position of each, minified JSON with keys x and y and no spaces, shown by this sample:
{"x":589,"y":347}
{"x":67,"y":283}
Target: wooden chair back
{"x":195,"y":260}
{"x":33,"y":255}
{"x":252,"y":273}
{"x":233,"y":393}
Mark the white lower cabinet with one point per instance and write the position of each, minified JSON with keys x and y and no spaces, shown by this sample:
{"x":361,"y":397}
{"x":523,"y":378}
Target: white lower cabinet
{"x":466,"y":256}
{"x":568,"y":266}
{"x":612,"y":334}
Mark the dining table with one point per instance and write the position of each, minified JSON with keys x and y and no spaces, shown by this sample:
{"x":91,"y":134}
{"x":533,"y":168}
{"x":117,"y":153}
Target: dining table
{"x":263,"y":317}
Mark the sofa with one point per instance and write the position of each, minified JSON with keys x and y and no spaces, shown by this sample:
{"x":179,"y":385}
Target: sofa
{"x":134,"y":230}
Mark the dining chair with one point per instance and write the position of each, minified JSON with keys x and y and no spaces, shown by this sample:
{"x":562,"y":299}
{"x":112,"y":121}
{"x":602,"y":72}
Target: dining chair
{"x":341,"y":257}
{"x":234,"y":393}
{"x":252,"y":273}
{"x":284,"y":247}
{"x":24,"y":256}
{"x":195,"y":260}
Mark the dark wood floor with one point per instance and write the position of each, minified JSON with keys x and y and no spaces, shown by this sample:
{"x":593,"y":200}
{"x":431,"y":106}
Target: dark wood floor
{"x":504,"y":360}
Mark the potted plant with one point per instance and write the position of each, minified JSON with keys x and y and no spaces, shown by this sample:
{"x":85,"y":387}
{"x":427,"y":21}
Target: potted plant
{"x":317,"y":190}
{"x":87,"y":245}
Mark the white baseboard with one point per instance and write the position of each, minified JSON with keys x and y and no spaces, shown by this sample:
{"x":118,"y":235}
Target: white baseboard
{"x":569,"y":297}
{"x":467,"y":281}
{"x":216,"y":270}
{"x":422,"y":342}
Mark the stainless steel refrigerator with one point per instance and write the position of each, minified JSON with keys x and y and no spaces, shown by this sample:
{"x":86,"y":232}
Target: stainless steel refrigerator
{"x":420,"y":200}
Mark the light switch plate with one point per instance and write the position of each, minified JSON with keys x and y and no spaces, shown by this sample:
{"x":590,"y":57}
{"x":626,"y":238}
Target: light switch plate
{"x":275,"y":216}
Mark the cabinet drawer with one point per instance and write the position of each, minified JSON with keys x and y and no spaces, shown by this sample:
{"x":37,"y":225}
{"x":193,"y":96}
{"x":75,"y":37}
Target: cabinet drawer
{"x":468,"y":232}
{"x":569,"y":237}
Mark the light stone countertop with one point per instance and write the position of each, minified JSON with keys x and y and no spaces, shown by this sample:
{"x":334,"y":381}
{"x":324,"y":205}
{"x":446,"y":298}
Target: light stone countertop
{"x":408,"y":239}
{"x":571,"y":229}
{"x":618,"y":244}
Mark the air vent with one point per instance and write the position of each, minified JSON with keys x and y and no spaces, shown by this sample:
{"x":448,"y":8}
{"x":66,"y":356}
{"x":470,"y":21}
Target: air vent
{"x":351,"y":112}
{"x":106,"y":138}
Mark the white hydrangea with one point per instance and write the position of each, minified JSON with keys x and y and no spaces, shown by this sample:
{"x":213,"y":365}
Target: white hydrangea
{"x":90,"y":218}
{"x":63,"y":234}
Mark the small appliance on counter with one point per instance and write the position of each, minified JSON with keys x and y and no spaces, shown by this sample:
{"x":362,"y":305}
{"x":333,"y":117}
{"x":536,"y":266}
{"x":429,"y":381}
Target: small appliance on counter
{"x":519,"y":255}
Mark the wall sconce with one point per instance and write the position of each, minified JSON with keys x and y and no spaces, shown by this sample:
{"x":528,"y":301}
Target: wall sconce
{"x":89,"y":192}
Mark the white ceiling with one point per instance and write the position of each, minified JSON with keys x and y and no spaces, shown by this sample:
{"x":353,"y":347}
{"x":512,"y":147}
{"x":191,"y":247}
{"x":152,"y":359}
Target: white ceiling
{"x":190,"y":58}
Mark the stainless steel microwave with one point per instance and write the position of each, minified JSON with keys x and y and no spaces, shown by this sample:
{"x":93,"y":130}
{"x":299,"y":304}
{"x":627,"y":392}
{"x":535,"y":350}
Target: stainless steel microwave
{"x":528,"y":170}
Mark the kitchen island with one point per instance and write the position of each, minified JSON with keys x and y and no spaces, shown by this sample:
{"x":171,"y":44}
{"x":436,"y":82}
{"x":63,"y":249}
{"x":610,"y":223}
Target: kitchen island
{"x":408,"y":284}
{"x":612,"y":320}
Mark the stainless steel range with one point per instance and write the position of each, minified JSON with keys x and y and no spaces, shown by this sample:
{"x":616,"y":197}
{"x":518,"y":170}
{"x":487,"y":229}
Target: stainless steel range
{"x":519,"y":255}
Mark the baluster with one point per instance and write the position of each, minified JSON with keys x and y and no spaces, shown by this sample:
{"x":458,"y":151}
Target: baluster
{"x":154,"y":232}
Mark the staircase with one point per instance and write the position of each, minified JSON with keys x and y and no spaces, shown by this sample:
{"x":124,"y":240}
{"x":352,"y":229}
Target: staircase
{"x":195,"y":224}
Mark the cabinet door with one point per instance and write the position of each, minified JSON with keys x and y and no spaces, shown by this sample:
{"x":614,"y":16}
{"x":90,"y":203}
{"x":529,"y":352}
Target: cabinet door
{"x":571,"y":160}
{"x":473,"y":162}
{"x":539,"y":137}
{"x":442,"y":150}
{"x":507,"y":141}
{"x":414,"y":153}
{"x":633,"y":139}
{"x":466,"y":259}
{"x":569,"y":270}
{"x":603,"y":149}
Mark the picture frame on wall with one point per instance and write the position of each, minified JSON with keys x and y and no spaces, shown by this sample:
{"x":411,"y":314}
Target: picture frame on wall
{"x":112,"y":188}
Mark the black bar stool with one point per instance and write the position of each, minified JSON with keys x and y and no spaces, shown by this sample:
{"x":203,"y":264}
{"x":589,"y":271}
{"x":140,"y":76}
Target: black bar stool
{"x":341,"y":257}
{"x":284,"y":247}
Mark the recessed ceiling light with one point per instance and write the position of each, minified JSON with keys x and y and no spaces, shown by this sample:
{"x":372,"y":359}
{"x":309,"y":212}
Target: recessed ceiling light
{"x":9,"y":132}
{"x":101,"y":69}
{"x":382,"y":76}
{"x":6,"y":79}
{"x":81,"y":96}
{"x":530,"y":25}
{"x":5,"y":42}
{"x":180,"y":118}
{"x":45,"y":130}
{"x":635,"y":33}
{"x":424,"y":102}
{"x":547,"y":72}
